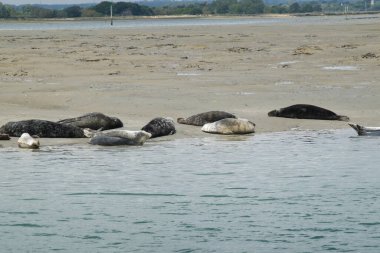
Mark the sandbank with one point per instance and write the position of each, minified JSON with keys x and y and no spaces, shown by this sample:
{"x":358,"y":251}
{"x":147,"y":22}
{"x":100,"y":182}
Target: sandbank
{"x":137,"y":74}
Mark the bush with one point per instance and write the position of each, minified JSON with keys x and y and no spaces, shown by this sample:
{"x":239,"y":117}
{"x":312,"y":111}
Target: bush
{"x":73,"y":11}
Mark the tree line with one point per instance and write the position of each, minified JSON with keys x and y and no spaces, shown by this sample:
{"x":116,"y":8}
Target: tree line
{"x":216,"y":7}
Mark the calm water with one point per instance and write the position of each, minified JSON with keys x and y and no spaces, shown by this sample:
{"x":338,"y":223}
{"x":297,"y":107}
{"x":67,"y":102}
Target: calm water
{"x":130,"y":23}
{"x":140,"y":23}
{"x":298,"y":191}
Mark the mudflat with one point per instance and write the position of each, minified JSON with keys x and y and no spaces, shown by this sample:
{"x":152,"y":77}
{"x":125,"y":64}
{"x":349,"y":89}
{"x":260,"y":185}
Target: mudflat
{"x":137,"y":74}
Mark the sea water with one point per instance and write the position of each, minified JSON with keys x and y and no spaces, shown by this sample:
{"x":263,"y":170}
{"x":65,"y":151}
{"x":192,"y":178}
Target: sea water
{"x":296,"y":191}
{"x":175,"y":22}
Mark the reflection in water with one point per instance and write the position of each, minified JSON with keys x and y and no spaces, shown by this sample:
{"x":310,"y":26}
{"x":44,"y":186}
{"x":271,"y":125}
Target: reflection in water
{"x":300,"y":191}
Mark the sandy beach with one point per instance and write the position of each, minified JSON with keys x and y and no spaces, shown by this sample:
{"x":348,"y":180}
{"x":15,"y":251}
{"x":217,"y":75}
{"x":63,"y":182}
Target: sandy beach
{"x":137,"y":74}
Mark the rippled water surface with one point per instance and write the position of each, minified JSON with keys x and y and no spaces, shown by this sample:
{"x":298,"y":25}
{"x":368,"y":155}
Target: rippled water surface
{"x":300,"y":191}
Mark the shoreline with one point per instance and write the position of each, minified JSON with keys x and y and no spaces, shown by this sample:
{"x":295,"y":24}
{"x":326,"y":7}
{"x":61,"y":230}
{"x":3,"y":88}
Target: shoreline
{"x":146,"y":72}
{"x":185,"y":133}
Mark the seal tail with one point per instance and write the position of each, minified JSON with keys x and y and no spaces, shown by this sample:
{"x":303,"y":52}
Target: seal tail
{"x":358,"y":128}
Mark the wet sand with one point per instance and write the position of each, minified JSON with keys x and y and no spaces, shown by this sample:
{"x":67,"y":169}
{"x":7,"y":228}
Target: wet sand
{"x":137,"y":74}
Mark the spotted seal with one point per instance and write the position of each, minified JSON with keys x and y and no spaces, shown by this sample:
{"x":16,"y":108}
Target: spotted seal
{"x":230,"y":126}
{"x":160,"y":127}
{"x":205,"y":117}
{"x":42,"y":128}
{"x":119,"y":137}
{"x":27,"y":141}
{"x":94,"y":120}
{"x":305,"y":111}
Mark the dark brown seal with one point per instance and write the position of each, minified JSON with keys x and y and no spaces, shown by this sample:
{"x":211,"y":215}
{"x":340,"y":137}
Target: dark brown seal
{"x":305,"y":111}
{"x":41,"y":128}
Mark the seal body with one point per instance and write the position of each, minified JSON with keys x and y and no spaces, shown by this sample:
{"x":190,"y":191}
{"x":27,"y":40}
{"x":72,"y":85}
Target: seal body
{"x":365,"y":131}
{"x":120,"y":137}
{"x":305,"y":111}
{"x":230,"y":126}
{"x":94,"y":120}
{"x":42,"y":128}
{"x":205,"y":117}
{"x":160,"y":127}
{"x":27,"y":141}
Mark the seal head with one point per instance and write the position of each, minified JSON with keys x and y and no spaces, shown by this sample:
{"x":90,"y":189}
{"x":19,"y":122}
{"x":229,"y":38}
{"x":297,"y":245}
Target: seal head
{"x":27,"y":141}
{"x":273,"y":113}
{"x":160,"y":127}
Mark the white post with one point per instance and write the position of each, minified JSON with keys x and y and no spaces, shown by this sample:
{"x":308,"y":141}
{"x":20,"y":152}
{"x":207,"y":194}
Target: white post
{"x":111,"y":13}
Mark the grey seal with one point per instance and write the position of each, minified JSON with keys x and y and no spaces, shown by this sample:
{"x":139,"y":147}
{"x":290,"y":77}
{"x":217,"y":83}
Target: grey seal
{"x":27,"y":141}
{"x":230,"y":126}
{"x":160,"y":127}
{"x":119,"y":137}
{"x":42,"y":128}
{"x":305,"y":111}
{"x":205,"y":117}
{"x":362,"y":130}
{"x":94,"y":120}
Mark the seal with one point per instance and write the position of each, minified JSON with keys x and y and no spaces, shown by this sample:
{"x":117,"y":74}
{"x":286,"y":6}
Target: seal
{"x":305,"y":111}
{"x":119,"y":137}
{"x":205,"y":117}
{"x":42,"y":128}
{"x":27,"y":141}
{"x":160,"y":127}
{"x":230,"y":126}
{"x":368,"y":131}
{"x":94,"y":120}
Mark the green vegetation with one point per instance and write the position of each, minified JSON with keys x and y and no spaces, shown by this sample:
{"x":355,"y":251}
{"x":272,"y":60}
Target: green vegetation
{"x":219,"y":7}
{"x":4,"y":11}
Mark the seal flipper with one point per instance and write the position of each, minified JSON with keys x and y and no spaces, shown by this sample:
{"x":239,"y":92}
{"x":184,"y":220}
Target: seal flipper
{"x":359,"y":129}
{"x":89,"y":133}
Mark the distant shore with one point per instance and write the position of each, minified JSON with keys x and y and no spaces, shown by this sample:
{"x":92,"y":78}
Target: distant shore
{"x":141,"y":73}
